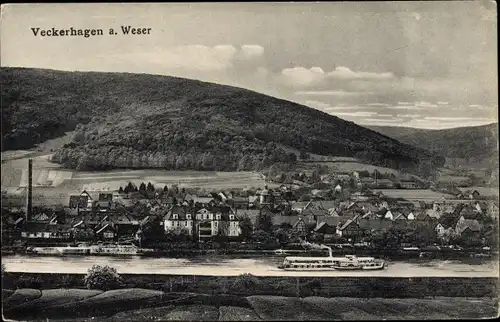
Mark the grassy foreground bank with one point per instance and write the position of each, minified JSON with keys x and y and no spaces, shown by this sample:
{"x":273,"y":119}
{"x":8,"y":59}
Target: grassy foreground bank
{"x":246,"y":285}
{"x":142,"y":304}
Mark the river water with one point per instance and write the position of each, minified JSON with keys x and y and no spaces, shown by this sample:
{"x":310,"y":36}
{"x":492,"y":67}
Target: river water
{"x":218,"y":265}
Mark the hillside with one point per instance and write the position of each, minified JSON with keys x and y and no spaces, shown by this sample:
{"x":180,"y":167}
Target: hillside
{"x":124,"y":120}
{"x":473,"y":144}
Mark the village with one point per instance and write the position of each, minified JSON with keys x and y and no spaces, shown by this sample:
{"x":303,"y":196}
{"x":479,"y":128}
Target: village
{"x":346,"y":210}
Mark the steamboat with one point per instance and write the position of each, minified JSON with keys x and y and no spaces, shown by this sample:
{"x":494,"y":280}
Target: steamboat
{"x":327,"y":263}
{"x":84,"y":249}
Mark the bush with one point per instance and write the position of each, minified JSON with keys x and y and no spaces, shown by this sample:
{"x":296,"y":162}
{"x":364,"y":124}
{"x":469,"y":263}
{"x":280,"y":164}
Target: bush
{"x":29,"y":282}
{"x":102,"y":277}
{"x":246,"y":283}
{"x":68,"y":281}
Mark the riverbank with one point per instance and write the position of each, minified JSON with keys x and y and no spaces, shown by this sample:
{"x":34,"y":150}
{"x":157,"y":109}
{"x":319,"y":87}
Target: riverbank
{"x":356,"y":286}
{"x":397,"y":254}
{"x":143,"y":304}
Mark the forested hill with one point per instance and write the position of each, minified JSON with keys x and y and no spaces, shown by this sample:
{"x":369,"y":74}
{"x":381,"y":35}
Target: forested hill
{"x":139,"y":120}
{"x":476,"y":143}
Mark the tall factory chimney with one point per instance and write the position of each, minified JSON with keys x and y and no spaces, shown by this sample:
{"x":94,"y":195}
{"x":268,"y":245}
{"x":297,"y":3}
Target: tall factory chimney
{"x":29,"y":197}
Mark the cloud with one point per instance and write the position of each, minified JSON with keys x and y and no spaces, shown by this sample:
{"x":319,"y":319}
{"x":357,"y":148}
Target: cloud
{"x":300,"y":76}
{"x":377,"y":104}
{"x":195,"y":57}
{"x":408,"y":115}
{"x":381,"y":120}
{"x":355,"y":114}
{"x":425,"y":104}
{"x":459,"y":119}
{"x":252,"y":51}
{"x":346,"y":73}
{"x":405,"y":107}
{"x":331,"y":93}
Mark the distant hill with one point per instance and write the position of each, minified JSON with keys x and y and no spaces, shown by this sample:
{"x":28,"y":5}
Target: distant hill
{"x":473,"y":144}
{"x":124,"y":120}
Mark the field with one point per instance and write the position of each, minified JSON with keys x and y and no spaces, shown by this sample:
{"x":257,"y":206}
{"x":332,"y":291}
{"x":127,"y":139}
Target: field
{"x":137,"y":304}
{"x":53,"y":184}
{"x":413,"y":194}
{"x":483,"y":191}
{"x":348,"y":166}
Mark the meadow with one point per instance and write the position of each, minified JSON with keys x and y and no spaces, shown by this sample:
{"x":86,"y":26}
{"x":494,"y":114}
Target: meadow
{"x":52,"y":183}
{"x":413,"y":194}
{"x":141,"y":304}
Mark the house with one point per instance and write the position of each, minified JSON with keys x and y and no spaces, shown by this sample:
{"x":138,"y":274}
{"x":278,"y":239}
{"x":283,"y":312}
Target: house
{"x":280,"y":221}
{"x":300,"y":227}
{"x":301,"y":206}
{"x":78,"y":201}
{"x":328,"y":231}
{"x":203,"y":202}
{"x":90,"y":201}
{"x":253,"y":201}
{"x":343,"y":177}
{"x":220,"y":221}
{"x":408,"y":184}
{"x":388,"y":215}
{"x":333,"y":212}
{"x":240,"y":203}
{"x":178,"y":219}
{"x":368,"y":226}
{"x":443,"y":231}
{"x":315,"y":213}
{"x":332,"y":221}
{"x":106,"y":232}
{"x":384,"y":184}
{"x":463,"y":224}
{"x":410,"y":216}
{"x":45,"y":232}
{"x":368,"y":182}
{"x":399,"y":216}
{"x":351,"y":228}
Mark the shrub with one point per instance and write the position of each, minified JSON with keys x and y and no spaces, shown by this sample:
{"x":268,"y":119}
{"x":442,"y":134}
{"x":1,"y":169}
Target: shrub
{"x":68,"y":281}
{"x":246,"y":283}
{"x":29,"y":282}
{"x":102,"y":277}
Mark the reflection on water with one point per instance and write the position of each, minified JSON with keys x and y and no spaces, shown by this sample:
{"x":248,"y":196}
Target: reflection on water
{"x":226,"y":265}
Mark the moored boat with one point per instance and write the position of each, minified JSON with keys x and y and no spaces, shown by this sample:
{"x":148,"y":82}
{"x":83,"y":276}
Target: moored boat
{"x":99,"y":249}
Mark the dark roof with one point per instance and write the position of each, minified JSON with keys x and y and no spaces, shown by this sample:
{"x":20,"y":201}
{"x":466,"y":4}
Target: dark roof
{"x":324,"y":228}
{"x":314,"y":212}
{"x":279,"y":220}
{"x":331,"y":220}
{"x":252,"y":214}
{"x":104,"y":228}
{"x":78,"y":201}
{"x":473,"y":225}
{"x":448,"y":220}
{"x":44,"y":227}
{"x":375,"y":224}
{"x":105,"y":196}
{"x":181,"y":213}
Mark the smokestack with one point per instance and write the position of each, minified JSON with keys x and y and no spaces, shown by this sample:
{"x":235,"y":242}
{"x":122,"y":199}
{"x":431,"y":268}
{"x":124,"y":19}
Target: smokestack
{"x":29,"y":201}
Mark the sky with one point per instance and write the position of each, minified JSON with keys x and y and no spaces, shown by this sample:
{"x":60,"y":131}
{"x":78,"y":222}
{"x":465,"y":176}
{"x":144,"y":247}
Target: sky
{"x":417,"y":64}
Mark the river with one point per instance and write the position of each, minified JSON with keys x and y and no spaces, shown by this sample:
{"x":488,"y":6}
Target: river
{"x":222,"y":265}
